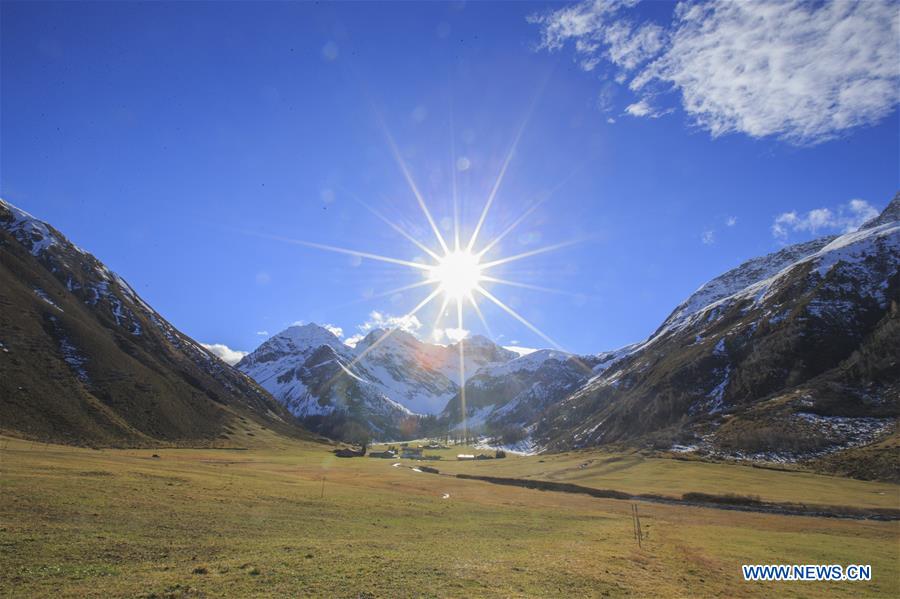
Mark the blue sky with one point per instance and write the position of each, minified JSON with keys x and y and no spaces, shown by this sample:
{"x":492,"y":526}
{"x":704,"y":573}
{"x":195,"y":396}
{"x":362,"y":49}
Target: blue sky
{"x":177,"y":141}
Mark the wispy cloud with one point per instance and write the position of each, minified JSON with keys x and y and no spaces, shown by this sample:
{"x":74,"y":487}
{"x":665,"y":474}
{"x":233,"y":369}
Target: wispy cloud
{"x":631,"y":45}
{"x":588,"y":25}
{"x":846,"y":217}
{"x":262,"y":333}
{"x":354,"y":339}
{"x":731,"y":221}
{"x":708,"y":237}
{"x":335,"y":330}
{"x":453,"y":335}
{"x":643,"y":108}
{"x":799,"y":71}
{"x":379,"y":320}
{"x":225,"y":353}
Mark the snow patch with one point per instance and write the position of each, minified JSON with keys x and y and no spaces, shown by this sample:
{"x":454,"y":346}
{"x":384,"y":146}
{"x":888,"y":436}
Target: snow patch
{"x":43,"y":295}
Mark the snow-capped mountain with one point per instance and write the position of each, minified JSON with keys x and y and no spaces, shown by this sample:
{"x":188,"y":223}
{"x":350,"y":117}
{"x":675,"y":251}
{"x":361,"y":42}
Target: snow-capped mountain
{"x":764,"y":356}
{"x":277,"y":365}
{"x":745,"y":275}
{"x":381,"y":382}
{"x":410,"y":371}
{"x":84,"y":359}
{"x":512,"y":395}
{"x":313,"y":374}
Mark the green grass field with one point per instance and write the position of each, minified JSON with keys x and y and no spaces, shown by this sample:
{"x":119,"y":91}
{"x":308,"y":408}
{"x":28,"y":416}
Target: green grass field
{"x":210,"y":523}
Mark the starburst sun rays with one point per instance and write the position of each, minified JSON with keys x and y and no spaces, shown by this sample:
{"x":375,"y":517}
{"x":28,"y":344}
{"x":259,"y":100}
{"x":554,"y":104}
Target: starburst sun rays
{"x":458,"y":272}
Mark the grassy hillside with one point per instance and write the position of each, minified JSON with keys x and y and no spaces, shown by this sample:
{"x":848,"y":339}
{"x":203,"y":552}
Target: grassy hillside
{"x":83,"y":360}
{"x":203,"y":522}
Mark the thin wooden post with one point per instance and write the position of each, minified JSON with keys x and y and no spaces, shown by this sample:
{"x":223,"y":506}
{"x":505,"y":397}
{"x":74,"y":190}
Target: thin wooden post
{"x":636,"y":519}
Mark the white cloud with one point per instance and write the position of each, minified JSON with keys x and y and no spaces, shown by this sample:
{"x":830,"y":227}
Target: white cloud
{"x":643,"y":108}
{"x":847,"y":217}
{"x":630,"y":45}
{"x":262,"y":333}
{"x":379,"y":320}
{"x":225,"y":353}
{"x":335,"y":330}
{"x":606,"y":97}
{"x":708,"y":237}
{"x":731,"y":221}
{"x":804,"y":72}
{"x":522,"y":351}
{"x":453,"y":335}
{"x":598,"y":35}
{"x":799,"y":71}
{"x":354,"y":339}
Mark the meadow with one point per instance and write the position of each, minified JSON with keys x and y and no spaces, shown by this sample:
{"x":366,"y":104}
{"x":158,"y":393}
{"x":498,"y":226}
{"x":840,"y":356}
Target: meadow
{"x":285,"y":518}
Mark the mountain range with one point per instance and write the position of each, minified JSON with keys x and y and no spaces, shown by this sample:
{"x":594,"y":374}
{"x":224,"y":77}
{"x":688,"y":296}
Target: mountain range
{"x":793,"y":355}
{"x":384,"y":384}
{"x":789,"y":356}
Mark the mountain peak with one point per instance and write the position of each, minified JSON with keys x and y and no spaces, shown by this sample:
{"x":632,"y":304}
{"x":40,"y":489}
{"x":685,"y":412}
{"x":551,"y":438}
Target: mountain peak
{"x":306,"y":331}
{"x":303,"y":338}
{"x":479,"y":340}
{"x":30,"y":231}
{"x":890,"y":214}
{"x":397,"y":337}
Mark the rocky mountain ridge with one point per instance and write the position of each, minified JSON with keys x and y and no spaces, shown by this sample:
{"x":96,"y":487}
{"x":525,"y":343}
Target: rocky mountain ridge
{"x":85,"y":360}
{"x":386,"y":383}
{"x":790,"y":356}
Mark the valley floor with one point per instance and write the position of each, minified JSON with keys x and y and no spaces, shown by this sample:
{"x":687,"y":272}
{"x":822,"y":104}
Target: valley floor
{"x":290,"y":519}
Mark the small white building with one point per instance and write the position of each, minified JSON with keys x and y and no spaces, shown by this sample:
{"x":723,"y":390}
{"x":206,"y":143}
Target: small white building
{"x":465,"y":456}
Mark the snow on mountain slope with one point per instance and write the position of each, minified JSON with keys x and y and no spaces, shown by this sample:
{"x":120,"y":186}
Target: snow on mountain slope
{"x":393,"y":376}
{"x":735,"y":280}
{"x":526,"y":363}
{"x":806,"y":327}
{"x":34,"y":234}
{"x":319,"y":379}
{"x":479,"y":352}
{"x":408,"y":370}
{"x":274,"y":363}
{"x":850,"y":250}
{"x":512,"y":395}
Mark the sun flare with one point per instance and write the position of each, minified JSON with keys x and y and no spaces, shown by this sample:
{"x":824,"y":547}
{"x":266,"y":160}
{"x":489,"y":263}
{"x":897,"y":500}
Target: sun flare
{"x":457,"y":274}
{"x":457,"y":271}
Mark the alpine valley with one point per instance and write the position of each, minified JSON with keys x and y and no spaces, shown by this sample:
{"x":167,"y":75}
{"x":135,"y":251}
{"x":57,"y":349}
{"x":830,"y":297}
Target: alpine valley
{"x":793,"y":356}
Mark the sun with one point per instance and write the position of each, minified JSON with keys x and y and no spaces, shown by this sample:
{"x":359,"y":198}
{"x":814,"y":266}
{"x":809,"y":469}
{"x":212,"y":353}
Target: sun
{"x":457,"y":274}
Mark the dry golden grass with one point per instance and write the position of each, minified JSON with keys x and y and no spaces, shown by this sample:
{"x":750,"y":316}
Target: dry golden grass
{"x":202,"y":522}
{"x":633,"y":472}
